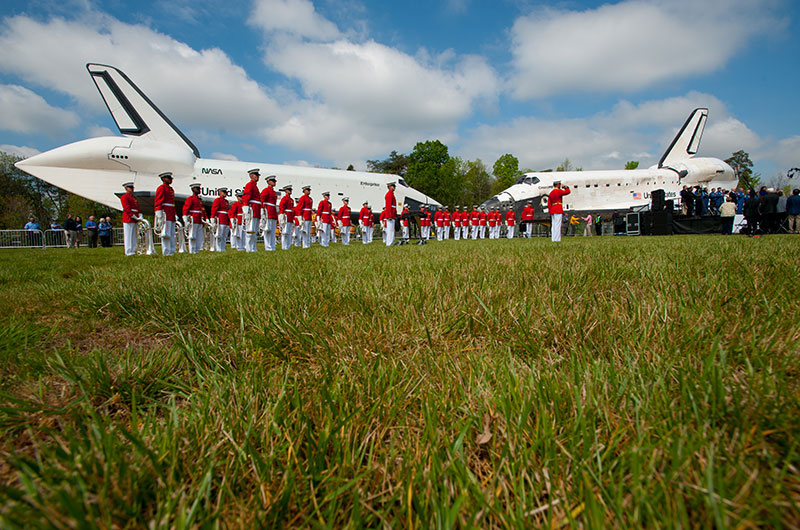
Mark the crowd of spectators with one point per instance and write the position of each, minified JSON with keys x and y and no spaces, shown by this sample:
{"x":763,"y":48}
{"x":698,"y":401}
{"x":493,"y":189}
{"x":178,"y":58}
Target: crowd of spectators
{"x":766,"y":211}
{"x":97,"y":230}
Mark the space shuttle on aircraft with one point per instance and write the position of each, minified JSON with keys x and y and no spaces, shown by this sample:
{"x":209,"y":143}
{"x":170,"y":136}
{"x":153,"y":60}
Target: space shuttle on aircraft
{"x":604,"y":192}
{"x":151,"y":144}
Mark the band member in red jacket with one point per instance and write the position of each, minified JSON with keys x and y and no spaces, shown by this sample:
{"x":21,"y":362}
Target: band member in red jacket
{"x":527,"y":219}
{"x":511,"y":219}
{"x":474,"y":220}
{"x":130,"y":217}
{"x":269,"y":200}
{"x":456,"y":221}
{"x":220,"y":213}
{"x":235,"y":217}
{"x":390,"y":213}
{"x":438,"y":220}
{"x":286,"y":217}
{"x":405,"y":220}
{"x":194,"y":214}
{"x":164,"y":205}
{"x":251,"y":211}
{"x":305,"y":205}
{"x":556,"y":209}
{"x":482,"y":222}
{"x":365,"y":223}
{"x":446,"y":220}
{"x":425,"y":223}
{"x":491,"y":221}
{"x":324,"y":209}
{"x":344,"y":220}
{"x":382,"y":221}
{"x":465,"y":222}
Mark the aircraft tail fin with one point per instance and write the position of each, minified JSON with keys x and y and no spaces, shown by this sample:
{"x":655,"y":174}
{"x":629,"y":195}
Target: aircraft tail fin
{"x":133,"y":112}
{"x":687,"y":141}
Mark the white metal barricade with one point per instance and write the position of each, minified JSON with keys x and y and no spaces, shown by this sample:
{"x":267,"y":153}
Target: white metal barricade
{"x":55,"y":238}
{"x":21,"y":239}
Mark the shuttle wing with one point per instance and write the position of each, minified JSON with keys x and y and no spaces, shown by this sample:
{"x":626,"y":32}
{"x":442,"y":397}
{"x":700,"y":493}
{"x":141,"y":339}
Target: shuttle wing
{"x":133,"y":112}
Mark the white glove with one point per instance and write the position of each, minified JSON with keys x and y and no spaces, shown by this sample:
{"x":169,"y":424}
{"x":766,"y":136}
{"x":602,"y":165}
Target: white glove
{"x":138,"y":218}
{"x":187,"y":220}
{"x":234,"y":222}
{"x":160,"y":220}
{"x":262,"y":224}
{"x":212,"y":223}
{"x":247,"y":216}
{"x":361,"y":225}
{"x":341,"y":225}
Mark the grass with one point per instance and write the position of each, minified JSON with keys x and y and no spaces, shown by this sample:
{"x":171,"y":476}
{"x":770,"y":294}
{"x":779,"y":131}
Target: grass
{"x":603,"y":382}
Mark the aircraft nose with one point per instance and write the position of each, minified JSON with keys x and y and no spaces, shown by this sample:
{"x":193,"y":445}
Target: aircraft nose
{"x":491,"y":203}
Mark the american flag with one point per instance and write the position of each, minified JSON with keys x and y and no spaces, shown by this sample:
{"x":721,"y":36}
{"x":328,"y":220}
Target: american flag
{"x":637,"y":195}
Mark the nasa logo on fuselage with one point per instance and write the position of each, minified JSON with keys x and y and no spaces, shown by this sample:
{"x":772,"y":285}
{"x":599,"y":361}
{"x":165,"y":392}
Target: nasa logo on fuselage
{"x":211,"y":171}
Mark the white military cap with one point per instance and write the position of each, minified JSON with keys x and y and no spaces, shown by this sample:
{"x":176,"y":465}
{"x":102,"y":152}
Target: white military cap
{"x":194,"y":185}
{"x":308,"y":188}
{"x":272,"y":177}
{"x":346,"y":199}
{"x":253,"y":171}
{"x":165,"y":175}
{"x":128,"y":184}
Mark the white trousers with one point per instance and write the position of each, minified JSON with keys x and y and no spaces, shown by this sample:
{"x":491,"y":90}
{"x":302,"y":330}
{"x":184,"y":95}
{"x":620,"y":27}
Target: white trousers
{"x":168,"y":238}
{"x":269,"y":234}
{"x":465,"y":232}
{"x":305,"y":235}
{"x":221,"y":237}
{"x":346,"y":235}
{"x":130,"y":238}
{"x":528,"y":229}
{"x":404,"y":230}
{"x":555,"y":226}
{"x":286,"y":237}
{"x":196,"y":236}
{"x":456,"y":233}
{"x":510,"y":233}
{"x":240,"y":241}
{"x":475,"y":231}
{"x":325,"y":235}
{"x":446,"y":232}
{"x":425,"y":232}
{"x":439,"y":233}
{"x":251,"y":234}
{"x":389,"y":239}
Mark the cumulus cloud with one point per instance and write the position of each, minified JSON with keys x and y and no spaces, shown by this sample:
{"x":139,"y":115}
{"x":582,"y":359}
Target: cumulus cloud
{"x":608,"y":139}
{"x":297,"y":17}
{"x":225,"y":156}
{"x":20,"y":150}
{"x":629,"y":45}
{"x":194,"y":88}
{"x":24,"y":111}
{"x":97,"y":131}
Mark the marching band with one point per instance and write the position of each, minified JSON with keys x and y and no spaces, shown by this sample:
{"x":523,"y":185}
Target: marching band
{"x":255,"y":213}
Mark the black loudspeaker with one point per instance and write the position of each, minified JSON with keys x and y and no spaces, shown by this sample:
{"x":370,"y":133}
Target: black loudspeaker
{"x":657,"y":200}
{"x":662,"y":223}
{"x":669,"y":205}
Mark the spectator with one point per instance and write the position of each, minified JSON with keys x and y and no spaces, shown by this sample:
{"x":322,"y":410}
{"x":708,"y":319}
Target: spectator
{"x":32,"y":225}
{"x":69,"y":231}
{"x":698,"y":202}
{"x":34,"y":235}
{"x":78,"y":231}
{"x":54,"y":225}
{"x":762,"y":191}
{"x":769,"y":211}
{"x":587,"y":228}
{"x":716,"y":198}
{"x":104,"y":231}
{"x":687,"y":200}
{"x":727,"y":213}
{"x":91,"y":231}
{"x":752,"y":213}
{"x":780,"y":217}
{"x":793,"y":211}
{"x":598,"y":225}
{"x":741,"y":196}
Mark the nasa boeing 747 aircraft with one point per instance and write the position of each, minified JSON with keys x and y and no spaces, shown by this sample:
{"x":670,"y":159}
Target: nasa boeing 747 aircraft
{"x":151,"y":144}
{"x":603,"y":192}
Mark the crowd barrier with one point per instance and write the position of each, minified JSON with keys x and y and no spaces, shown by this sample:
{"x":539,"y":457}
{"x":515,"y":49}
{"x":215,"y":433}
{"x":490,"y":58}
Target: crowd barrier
{"x":21,"y":239}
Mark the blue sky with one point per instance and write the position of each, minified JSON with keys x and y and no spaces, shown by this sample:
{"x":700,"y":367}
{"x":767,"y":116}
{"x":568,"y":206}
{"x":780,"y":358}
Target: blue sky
{"x":330,"y":83}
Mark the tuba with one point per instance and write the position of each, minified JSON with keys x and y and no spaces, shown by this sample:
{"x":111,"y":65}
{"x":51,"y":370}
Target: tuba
{"x":180,"y":237}
{"x":145,"y":238}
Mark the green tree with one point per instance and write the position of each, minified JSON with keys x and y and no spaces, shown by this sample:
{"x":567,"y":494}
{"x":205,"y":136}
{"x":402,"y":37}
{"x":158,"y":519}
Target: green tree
{"x":506,"y":172}
{"x":478,"y":182}
{"x":351,"y":168}
{"x":396,"y":164}
{"x":566,"y":165}
{"x":431,"y":171}
{"x":633,"y":164}
{"x":743,"y":169}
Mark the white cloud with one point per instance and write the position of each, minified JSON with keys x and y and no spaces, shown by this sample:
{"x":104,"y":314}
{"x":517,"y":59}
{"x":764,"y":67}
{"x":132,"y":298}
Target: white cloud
{"x":25,"y":111}
{"x":97,"y":131}
{"x":629,"y":45}
{"x":607,"y":140}
{"x":194,"y":88}
{"x":297,"y":17}
{"x":20,"y":150}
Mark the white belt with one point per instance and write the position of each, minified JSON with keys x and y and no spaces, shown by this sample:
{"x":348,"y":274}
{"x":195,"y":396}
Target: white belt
{"x":194,"y":211}
{"x":257,"y":202}
{"x":306,"y":209}
{"x":222,"y":212}
{"x":168,"y":204}
{"x":269,"y":204}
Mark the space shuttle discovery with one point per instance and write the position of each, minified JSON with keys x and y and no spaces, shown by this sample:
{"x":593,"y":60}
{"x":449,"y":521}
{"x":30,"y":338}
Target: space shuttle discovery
{"x":151,"y":144}
{"x":620,"y":190}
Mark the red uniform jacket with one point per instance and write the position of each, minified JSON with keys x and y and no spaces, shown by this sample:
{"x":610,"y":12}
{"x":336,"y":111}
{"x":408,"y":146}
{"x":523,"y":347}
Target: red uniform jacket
{"x":252,"y":198}
{"x":365,"y":216}
{"x":437,"y":218}
{"x":426,"y":219}
{"x":344,"y":215}
{"x":235,"y":211}
{"x":527,"y":213}
{"x":194,"y":207}
{"x":130,"y":208}
{"x":324,"y":211}
{"x":391,"y":205}
{"x":405,"y":216}
{"x":457,"y":219}
{"x":492,"y":218}
{"x":554,"y":201}
{"x":475,"y":217}
{"x":482,"y":218}
{"x":165,"y":200}
{"x":510,"y":218}
{"x":270,"y":201}
{"x":220,"y":209}
{"x":304,"y":206}
{"x":287,"y":208}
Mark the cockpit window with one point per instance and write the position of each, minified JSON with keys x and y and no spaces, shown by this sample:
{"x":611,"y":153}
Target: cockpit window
{"x":402,"y":183}
{"x":525,"y":179}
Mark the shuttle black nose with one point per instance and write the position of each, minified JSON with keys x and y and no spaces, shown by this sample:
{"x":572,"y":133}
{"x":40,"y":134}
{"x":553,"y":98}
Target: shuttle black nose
{"x":491,"y":203}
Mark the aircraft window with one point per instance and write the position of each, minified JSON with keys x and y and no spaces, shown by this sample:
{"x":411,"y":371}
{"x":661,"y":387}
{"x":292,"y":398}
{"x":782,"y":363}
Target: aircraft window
{"x":520,"y":180}
{"x":607,"y":185}
{"x":618,"y":184}
{"x":402,"y":182}
{"x":595,"y":185}
{"x":588,"y":186}
{"x":535,"y":180}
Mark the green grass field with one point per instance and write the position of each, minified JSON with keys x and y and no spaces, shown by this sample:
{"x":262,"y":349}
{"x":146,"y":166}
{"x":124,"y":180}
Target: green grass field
{"x":627,"y":382}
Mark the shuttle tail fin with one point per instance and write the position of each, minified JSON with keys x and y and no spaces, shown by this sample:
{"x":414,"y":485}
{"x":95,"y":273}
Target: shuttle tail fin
{"x":133,"y":112}
{"x":687,"y":142}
